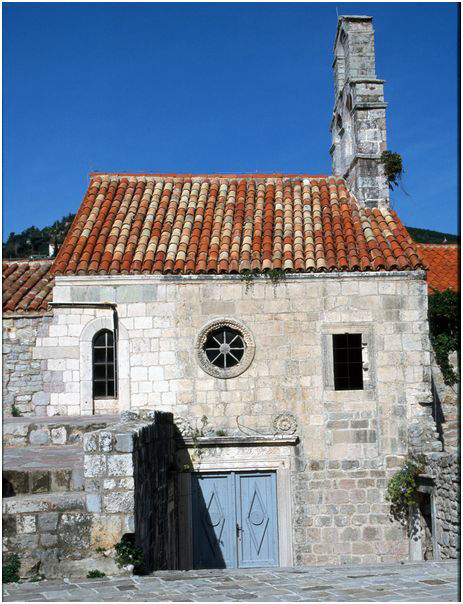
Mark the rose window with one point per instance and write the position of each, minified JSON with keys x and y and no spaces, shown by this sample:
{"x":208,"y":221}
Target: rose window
{"x":224,"y":348}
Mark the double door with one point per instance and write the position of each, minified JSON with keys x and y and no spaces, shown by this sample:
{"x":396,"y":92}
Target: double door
{"x":234,"y":520}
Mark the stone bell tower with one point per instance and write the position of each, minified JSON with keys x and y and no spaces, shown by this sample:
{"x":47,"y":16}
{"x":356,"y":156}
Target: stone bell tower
{"x":358,"y":126}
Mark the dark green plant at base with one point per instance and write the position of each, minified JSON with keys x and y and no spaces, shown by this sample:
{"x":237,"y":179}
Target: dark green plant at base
{"x":95,"y":574}
{"x":393,"y":168}
{"x":127,"y":552}
{"x":401,"y":489}
{"x":15,"y":412}
{"x":444,"y":326}
{"x":10,"y":572}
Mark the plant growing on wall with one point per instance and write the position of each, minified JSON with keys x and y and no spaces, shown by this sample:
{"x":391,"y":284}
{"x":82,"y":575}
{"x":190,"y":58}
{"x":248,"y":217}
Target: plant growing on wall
{"x":444,"y":326}
{"x":275,"y":275}
{"x":393,"y":168}
{"x":401,"y":489}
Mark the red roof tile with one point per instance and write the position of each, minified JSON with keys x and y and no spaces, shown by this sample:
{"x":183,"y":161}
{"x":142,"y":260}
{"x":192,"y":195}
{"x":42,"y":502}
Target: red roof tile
{"x":27,"y":286}
{"x":443,"y":265}
{"x":130,"y":224}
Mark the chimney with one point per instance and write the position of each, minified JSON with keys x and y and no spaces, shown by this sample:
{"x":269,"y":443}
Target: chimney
{"x":358,"y":126}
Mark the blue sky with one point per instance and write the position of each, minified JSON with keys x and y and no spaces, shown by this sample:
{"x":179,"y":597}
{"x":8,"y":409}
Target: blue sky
{"x":229,"y":87}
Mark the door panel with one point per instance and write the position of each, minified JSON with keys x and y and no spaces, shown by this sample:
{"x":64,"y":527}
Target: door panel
{"x":214,"y":530}
{"x":234,"y":520}
{"x":257,"y":518}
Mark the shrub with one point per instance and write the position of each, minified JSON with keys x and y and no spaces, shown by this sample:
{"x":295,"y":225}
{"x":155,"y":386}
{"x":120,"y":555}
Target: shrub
{"x":127,"y":552}
{"x":444,"y":326}
{"x":401,"y":489}
{"x":95,"y":574}
{"x":10,"y":572}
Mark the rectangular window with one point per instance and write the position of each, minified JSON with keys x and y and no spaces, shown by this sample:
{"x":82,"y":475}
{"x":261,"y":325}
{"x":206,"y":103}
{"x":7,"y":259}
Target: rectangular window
{"x":347,"y":361}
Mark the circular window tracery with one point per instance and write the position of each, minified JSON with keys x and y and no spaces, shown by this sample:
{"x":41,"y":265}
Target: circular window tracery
{"x":224,"y":348}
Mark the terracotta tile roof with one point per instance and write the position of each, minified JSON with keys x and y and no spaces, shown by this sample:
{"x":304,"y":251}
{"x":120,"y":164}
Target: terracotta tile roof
{"x":129,"y":224}
{"x":27,"y":286}
{"x":443,"y":265}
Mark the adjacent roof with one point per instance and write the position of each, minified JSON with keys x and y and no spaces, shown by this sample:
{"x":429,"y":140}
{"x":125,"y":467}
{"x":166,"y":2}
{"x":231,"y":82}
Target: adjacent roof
{"x":443,"y":267}
{"x":27,"y":286}
{"x":181,"y":224}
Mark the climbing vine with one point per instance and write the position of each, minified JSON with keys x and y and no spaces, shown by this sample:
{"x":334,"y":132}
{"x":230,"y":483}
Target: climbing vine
{"x":444,"y":326}
{"x":275,"y":275}
{"x":393,"y":168}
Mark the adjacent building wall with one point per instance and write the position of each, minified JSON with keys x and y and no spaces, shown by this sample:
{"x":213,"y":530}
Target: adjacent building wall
{"x":23,"y":375}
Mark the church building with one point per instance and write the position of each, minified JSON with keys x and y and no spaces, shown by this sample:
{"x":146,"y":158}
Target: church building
{"x":280,"y":318}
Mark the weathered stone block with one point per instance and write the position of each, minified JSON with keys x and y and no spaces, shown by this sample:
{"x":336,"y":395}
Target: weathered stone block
{"x":118,"y":503}
{"x":39,"y":481}
{"x":120,"y":465}
{"x":39,"y":437}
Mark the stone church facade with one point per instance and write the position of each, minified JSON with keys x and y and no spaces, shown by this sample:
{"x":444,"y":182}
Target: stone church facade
{"x":280,"y":319}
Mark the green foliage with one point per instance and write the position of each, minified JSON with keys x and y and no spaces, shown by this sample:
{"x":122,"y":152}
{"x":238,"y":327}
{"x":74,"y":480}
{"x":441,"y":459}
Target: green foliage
{"x":428,"y":236}
{"x":401,"y":489}
{"x":10,"y":572}
{"x":220,"y":433}
{"x":34,"y":241}
{"x":15,"y":412}
{"x":37,"y":578}
{"x":95,"y":574}
{"x":127,"y":552}
{"x":393,"y":168}
{"x":444,"y":326}
{"x":275,"y":275}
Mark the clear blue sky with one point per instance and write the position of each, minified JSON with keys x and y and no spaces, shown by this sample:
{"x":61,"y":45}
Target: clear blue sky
{"x":140,"y":87}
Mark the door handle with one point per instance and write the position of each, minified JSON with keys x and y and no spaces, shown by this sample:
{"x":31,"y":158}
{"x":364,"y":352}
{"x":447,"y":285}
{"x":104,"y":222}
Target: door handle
{"x":238,"y":531}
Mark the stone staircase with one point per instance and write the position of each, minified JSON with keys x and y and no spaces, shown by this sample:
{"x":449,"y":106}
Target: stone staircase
{"x":44,"y":502}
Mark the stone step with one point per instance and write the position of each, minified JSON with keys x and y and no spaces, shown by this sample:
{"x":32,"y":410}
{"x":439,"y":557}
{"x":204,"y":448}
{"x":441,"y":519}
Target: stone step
{"x":29,"y":470}
{"x":52,"y":431}
{"x":44,"y":503}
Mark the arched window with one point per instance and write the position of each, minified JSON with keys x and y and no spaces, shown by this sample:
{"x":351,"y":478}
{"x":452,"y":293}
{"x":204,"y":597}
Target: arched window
{"x":104,"y":365}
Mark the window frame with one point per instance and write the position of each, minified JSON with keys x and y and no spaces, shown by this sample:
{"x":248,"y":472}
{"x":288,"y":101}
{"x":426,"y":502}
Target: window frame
{"x":106,"y":364}
{"x":368,"y":354}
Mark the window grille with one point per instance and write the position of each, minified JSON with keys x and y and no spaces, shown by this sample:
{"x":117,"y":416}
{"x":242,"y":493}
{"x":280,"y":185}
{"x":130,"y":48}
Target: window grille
{"x":104,"y":365}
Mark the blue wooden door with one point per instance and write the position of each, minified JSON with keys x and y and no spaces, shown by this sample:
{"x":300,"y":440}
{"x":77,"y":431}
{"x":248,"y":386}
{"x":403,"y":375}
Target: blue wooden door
{"x":257,"y":519}
{"x":235,"y":520}
{"x":214,"y":529}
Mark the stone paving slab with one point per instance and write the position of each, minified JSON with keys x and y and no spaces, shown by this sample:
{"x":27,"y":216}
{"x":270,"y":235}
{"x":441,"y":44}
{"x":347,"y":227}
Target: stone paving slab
{"x":387,"y":582}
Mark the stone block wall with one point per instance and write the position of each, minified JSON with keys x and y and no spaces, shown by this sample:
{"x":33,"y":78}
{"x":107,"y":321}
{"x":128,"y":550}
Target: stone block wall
{"x":446,"y":406}
{"x":54,"y":534}
{"x":341,"y":515}
{"x":23,"y":375}
{"x":445,"y":471}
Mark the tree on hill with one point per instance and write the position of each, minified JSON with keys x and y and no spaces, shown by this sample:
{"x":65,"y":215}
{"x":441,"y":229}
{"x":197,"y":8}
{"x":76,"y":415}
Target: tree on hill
{"x":34,"y":241}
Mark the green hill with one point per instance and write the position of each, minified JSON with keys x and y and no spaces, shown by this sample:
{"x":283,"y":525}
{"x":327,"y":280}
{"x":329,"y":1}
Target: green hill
{"x":427,"y":236}
{"x":34,"y":241}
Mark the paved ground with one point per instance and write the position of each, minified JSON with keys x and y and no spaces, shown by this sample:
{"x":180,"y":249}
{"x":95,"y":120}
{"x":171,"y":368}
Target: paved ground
{"x":409,"y":582}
